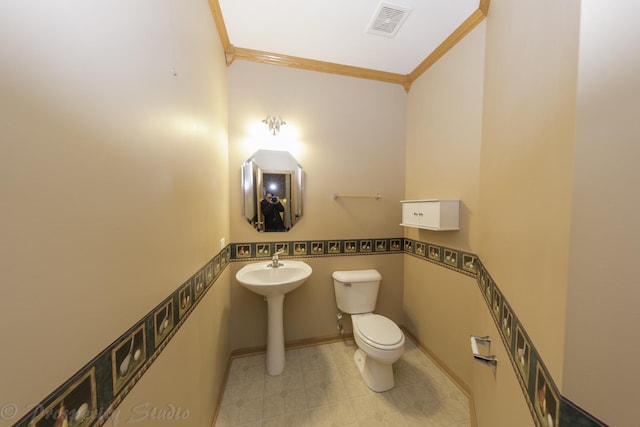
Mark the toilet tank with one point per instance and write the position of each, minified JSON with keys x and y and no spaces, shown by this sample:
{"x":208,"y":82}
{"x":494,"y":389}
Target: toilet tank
{"x":356,"y":290}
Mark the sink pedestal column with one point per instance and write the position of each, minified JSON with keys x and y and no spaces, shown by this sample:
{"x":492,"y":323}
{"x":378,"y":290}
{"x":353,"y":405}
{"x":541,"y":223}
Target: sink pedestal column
{"x":275,"y":335}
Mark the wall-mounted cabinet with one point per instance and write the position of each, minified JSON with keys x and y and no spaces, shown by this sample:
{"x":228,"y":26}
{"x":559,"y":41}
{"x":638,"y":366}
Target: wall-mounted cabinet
{"x":431,"y":214}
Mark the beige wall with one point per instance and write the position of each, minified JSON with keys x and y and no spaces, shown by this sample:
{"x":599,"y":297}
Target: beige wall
{"x":443,"y":308}
{"x":600,"y":370}
{"x":444,"y":114}
{"x":348,"y":134}
{"x":526,"y":169}
{"x":438,"y":311}
{"x":443,"y":157}
{"x":531,"y":216}
{"x":112,"y":174}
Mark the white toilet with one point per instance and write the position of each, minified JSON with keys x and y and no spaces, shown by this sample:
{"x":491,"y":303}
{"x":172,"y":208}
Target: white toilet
{"x":380,"y":341}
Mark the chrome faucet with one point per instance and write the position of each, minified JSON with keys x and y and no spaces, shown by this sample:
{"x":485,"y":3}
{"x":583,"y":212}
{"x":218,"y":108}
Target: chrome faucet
{"x":275,"y":263}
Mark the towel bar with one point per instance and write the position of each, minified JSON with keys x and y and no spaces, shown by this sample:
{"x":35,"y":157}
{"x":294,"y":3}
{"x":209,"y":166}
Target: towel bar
{"x":356,"y":196}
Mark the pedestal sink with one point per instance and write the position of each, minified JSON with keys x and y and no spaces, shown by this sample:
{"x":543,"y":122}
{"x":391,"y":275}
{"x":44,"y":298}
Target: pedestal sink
{"x":273,"y":283}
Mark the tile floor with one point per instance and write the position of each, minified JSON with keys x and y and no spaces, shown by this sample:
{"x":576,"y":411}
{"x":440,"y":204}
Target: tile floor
{"x":321,"y":386}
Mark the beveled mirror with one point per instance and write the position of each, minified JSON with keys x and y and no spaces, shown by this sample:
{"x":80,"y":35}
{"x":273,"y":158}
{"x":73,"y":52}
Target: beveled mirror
{"x":272,"y":188}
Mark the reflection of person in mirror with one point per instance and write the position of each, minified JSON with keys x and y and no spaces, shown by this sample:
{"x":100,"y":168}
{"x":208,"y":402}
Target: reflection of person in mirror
{"x":271,"y":208}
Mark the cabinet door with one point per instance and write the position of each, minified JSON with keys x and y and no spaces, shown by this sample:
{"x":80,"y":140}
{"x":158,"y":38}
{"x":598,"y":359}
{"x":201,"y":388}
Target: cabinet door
{"x":411,"y":214}
{"x":429,"y":214}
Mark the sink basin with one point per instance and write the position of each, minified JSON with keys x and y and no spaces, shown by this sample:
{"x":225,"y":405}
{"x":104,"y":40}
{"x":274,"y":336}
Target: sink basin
{"x":267,"y":281}
{"x":273,"y":283}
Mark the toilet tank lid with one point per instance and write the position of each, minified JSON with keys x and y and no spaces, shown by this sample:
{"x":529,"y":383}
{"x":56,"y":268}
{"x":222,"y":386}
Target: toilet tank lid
{"x":354,"y":276}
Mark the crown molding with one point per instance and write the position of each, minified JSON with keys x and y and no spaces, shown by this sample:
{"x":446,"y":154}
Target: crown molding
{"x":232,"y":53}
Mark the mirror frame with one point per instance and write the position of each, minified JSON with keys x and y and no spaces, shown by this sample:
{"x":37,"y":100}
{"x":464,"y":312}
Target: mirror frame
{"x":265,"y":162}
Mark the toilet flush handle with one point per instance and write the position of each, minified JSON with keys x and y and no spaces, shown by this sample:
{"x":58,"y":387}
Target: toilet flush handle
{"x":347,"y":284}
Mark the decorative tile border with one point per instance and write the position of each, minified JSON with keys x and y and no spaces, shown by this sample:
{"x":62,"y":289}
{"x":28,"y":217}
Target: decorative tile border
{"x":78,"y":400}
{"x":92,"y":395}
{"x":316,"y":248}
{"x":463,"y":262}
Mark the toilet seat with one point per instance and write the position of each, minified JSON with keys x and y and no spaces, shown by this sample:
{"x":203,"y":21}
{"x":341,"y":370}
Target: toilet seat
{"x":380,"y":332}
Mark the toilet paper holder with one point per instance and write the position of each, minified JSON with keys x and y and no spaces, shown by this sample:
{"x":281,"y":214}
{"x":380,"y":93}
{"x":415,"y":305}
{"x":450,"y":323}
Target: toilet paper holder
{"x":492,"y":360}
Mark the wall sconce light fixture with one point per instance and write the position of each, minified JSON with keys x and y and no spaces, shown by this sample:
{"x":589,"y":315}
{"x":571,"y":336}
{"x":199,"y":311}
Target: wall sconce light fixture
{"x":274,"y":123}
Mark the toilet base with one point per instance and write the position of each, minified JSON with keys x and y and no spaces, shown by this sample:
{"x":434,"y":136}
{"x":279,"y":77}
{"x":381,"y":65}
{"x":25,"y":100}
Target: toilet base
{"x":377,"y":376}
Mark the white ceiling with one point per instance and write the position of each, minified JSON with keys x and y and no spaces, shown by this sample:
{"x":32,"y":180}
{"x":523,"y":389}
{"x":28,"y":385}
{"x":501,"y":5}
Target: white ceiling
{"x":336,"y":30}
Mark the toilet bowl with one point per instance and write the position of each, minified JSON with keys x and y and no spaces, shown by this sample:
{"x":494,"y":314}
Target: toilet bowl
{"x":380,"y":341}
{"x":380,"y":344}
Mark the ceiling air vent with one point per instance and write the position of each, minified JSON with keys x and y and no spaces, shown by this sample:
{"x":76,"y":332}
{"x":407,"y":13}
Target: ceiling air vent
{"x":388,"y":19}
